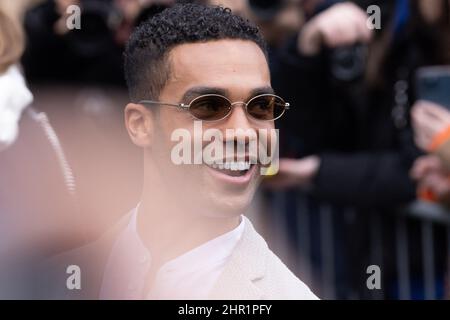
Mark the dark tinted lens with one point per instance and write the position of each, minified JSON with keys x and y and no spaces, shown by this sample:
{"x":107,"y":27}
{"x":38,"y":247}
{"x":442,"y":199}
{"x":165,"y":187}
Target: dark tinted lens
{"x":267,"y":107}
{"x":210,"y":108}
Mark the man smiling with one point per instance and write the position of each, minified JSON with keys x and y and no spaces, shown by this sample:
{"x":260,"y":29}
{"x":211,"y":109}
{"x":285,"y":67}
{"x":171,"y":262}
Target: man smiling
{"x":188,"y":238}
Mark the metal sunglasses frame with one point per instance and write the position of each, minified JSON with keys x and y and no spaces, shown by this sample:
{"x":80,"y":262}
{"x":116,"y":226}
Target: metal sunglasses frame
{"x":186,"y":107}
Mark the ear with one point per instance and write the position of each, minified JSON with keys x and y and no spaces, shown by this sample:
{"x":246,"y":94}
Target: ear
{"x":139,"y":122}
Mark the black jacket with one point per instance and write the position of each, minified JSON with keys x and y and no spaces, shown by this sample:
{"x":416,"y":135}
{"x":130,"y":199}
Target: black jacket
{"x":366,"y":153}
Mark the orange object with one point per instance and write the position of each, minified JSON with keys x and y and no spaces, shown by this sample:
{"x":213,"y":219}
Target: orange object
{"x":439,"y":139}
{"x":427,"y":195}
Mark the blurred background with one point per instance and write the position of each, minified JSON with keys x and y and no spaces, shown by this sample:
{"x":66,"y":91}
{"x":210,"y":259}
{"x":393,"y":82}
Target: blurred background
{"x":365,"y":171}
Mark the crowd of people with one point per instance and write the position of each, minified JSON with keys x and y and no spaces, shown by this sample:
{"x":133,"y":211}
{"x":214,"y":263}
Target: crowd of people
{"x":358,"y":134}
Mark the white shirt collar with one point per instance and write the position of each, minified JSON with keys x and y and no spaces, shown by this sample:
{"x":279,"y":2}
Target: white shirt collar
{"x":193,"y":273}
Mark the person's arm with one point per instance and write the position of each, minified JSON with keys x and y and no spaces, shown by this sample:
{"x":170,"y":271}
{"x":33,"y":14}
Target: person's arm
{"x":301,"y":75}
{"x":299,"y":79}
{"x":368,"y":179}
{"x":364,"y":179}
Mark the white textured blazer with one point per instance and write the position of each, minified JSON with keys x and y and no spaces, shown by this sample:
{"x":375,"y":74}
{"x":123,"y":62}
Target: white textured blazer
{"x":254,"y":272}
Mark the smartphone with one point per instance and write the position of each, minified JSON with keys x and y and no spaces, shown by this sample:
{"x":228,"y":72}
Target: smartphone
{"x":433,"y":84}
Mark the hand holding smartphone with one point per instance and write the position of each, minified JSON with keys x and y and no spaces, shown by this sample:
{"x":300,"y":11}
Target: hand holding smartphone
{"x":433,"y":84}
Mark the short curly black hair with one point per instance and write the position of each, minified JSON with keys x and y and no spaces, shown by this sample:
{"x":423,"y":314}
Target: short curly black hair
{"x":146,"y":65}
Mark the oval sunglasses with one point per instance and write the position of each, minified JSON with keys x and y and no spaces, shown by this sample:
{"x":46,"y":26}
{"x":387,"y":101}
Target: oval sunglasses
{"x":215,"y":107}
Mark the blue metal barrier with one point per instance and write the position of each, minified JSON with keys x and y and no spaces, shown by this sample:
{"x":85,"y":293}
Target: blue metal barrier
{"x":428,"y":215}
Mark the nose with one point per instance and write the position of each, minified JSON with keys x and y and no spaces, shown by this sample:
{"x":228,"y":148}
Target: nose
{"x":238,"y":128}
{"x":238,"y":118}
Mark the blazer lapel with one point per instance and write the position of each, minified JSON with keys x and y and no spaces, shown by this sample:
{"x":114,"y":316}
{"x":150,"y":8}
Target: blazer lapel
{"x":246,"y":267}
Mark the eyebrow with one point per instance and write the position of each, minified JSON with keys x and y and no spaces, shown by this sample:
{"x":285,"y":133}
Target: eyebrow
{"x":260,"y":91}
{"x":198,"y":91}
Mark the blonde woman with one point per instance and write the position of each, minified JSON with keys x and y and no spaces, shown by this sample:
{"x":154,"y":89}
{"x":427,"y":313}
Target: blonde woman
{"x":37,"y":189}
{"x":14,"y":95}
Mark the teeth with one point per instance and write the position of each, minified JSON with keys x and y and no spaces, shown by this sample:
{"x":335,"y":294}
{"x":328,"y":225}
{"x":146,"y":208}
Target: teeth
{"x":233,"y":166}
